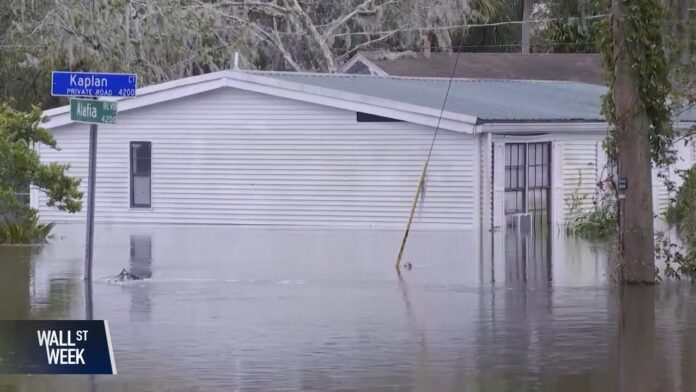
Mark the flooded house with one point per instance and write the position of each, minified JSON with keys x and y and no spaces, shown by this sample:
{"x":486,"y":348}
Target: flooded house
{"x":337,"y":151}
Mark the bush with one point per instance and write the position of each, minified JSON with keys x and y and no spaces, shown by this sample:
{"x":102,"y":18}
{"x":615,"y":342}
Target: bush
{"x":594,"y":225}
{"x":683,"y":211}
{"x":600,"y":222}
{"x":21,"y":167}
{"x":680,"y":260}
{"x":26,"y":229}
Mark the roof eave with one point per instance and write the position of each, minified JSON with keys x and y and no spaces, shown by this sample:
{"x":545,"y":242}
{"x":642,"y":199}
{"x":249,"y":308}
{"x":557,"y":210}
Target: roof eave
{"x":542,"y":126}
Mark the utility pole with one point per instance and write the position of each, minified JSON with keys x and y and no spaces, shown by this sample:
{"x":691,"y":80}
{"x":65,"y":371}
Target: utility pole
{"x":526,"y":24}
{"x":636,"y":253}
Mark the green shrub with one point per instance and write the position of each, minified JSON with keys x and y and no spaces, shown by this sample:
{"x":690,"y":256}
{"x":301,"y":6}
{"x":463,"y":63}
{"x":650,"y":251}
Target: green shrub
{"x":24,"y":229}
{"x":680,"y":260}
{"x":594,"y":225}
{"x":684,"y":207}
{"x":20,"y":168}
{"x":598,"y":223}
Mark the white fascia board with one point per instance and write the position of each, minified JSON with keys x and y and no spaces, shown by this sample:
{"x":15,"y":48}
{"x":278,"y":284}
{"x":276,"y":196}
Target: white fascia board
{"x":543,"y":127}
{"x":564,"y":127}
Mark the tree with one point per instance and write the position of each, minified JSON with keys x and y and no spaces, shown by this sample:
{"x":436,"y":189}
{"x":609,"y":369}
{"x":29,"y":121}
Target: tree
{"x":569,"y":28}
{"x":637,"y":108}
{"x":21,"y":168}
{"x":162,"y":40}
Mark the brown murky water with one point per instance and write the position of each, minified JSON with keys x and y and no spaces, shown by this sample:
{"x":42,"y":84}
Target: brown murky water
{"x":252,"y":309}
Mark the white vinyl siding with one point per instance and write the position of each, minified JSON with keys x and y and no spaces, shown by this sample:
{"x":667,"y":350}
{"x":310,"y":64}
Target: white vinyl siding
{"x":660,"y":192}
{"x":557,"y":194}
{"x":236,"y":157}
{"x":499,"y":186}
{"x":583,"y":163}
{"x":579,"y":159}
{"x":684,"y":161}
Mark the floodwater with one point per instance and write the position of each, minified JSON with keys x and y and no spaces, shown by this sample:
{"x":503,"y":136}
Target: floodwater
{"x":288,"y":309}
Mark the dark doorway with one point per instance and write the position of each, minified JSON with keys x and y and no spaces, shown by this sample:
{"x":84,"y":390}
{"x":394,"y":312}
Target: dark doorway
{"x":527,"y":211}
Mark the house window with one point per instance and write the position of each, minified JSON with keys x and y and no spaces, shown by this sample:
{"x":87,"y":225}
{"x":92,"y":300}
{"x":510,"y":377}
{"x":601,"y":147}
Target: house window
{"x":515,"y":159}
{"x":538,"y":177}
{"x":140,"y":173}
{"x":526,"y":177}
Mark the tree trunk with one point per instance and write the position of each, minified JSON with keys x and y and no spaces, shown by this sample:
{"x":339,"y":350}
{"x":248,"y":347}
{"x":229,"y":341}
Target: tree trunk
{"x":526,"y":27}
{"x":636,"y":339}
{"x":636,"y":263}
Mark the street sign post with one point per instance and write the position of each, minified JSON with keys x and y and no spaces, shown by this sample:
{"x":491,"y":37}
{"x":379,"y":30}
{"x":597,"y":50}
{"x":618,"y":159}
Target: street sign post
{"x":91,"y":185}
{"x":93,"y":84}
{"x":92,"y":111}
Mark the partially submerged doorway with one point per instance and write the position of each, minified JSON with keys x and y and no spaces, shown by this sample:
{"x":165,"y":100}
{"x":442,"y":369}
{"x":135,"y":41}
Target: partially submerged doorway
{"x":527,"y":177}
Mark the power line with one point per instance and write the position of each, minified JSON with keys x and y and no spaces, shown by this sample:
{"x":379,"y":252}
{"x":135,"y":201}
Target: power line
{"x":468,"y":25}
{"x":384,"y":32}
{"x":432,"y":28}
{"x":452,"y":47}
{"x":23,"y":46}
{"x":427,"y":161}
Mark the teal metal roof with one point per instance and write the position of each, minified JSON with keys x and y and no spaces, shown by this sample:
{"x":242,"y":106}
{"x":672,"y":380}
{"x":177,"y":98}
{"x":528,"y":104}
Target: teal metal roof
{"x":490,"y":100}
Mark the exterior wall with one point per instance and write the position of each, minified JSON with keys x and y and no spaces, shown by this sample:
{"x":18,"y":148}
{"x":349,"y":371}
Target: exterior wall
{"x":577,"y":160}
{"x":581,"y":169}
{"x":685,"y":159}
{"x":235,"y":157}
{"x":578,"y":163}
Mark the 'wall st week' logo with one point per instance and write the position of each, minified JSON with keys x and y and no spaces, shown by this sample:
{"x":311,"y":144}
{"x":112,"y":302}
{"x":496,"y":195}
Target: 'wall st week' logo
{"x":56,"y":347}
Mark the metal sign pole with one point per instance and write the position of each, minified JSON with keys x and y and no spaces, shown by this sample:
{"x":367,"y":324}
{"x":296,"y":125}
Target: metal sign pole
{"x":89,"y":243}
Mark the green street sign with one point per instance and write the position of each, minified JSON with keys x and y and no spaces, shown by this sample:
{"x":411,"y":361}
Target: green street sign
{"x":92,"y":111}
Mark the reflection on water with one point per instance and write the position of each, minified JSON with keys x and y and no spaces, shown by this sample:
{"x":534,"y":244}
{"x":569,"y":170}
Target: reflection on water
{"x":251,"y":309}
{"x":141,"y":256}
{"x":527,"y":256}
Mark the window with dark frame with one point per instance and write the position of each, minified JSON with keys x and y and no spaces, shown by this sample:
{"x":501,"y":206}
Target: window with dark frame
{"x":141,"y":174}
{"x":515,"y":162}
{"x":527,"y":177}
{"x":539,"y":188}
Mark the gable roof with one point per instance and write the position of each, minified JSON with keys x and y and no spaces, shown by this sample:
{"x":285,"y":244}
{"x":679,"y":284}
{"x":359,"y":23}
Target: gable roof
{"x":416,"y":100}
{"x":577,"y":67}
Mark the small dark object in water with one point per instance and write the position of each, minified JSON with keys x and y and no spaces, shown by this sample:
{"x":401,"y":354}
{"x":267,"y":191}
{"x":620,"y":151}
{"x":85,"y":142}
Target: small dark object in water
{"x":408,"y":266}
{"x":125,"y":275}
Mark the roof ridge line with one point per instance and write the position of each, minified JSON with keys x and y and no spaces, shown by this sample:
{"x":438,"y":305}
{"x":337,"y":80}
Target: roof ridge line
{"x":400,"y":77}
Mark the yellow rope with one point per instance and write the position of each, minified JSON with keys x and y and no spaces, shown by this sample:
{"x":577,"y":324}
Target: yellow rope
{"x":410,"y":217}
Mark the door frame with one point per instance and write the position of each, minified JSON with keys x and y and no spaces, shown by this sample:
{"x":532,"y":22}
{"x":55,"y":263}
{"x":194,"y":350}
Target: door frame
{"x":491,"y":226}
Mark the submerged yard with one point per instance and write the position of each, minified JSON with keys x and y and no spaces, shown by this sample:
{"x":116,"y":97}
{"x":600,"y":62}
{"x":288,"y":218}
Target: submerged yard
{"x":224,"y":308}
